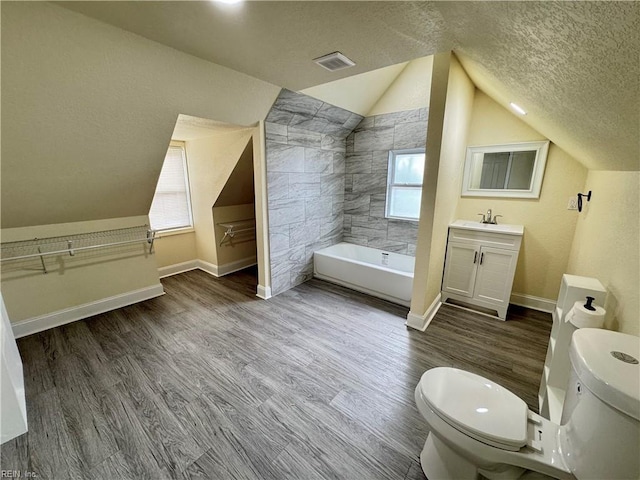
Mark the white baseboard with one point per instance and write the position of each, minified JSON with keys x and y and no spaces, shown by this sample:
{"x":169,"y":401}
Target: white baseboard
{"x":216,"y":271}
{"x":421,"y":322}
{"x":177,"y":268}
{"x":227,"y":268}
{"x":207,"y":267}
{"x":535,"y":303}
{"x":264,"y":292}
{"x":68,"y":315}
{"x":210,"y":268}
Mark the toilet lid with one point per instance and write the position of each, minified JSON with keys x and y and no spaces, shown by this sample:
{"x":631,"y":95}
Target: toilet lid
{"x":476,"y":406}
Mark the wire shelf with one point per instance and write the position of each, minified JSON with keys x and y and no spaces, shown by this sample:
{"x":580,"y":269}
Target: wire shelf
{"x":72,"y":244}
{"x":238,"y":227}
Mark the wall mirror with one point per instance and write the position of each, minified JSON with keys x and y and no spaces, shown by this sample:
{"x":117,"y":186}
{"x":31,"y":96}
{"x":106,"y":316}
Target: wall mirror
{"x":510,"y":170}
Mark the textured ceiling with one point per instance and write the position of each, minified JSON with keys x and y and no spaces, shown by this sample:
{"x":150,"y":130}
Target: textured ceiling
{"x":574,"y":66}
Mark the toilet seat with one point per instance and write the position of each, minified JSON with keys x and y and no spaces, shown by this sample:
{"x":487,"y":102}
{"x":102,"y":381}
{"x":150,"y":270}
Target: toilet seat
{"x":476,"y":406}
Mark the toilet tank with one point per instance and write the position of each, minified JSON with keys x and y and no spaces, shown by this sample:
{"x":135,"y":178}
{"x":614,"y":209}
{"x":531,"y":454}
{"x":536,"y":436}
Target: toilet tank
{"x":600,"y":431}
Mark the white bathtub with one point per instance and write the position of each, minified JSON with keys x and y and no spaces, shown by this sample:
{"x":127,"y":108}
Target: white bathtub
{"x":383,"y":274}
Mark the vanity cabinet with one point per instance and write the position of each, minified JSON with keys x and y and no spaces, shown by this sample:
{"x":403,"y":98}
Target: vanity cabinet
{"x":480,"y":263}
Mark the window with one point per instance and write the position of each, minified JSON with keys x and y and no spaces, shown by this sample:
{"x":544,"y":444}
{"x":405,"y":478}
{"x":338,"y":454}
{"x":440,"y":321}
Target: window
{"x":404,"y":186}
{"x":171,"y":206}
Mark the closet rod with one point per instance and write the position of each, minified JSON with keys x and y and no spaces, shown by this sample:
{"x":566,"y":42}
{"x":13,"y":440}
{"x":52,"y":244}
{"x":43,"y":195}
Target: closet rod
{"x":71,"y":251}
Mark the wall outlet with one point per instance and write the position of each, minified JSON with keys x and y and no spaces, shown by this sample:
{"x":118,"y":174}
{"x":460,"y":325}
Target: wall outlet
{"x":573,"y":203}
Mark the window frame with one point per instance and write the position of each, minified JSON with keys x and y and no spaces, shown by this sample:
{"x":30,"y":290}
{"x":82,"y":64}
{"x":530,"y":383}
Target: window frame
{"x":476,"y":153}
{"x":187,"y":182}
{"x":391,"y":184}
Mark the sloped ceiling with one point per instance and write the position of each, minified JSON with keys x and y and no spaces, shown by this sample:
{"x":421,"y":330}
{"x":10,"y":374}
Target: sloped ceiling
{"x":191,"y":128}
{"x":239,"y":189}
{"x":88,"y":111}
{"x":573,"y":65}
{"x":396,"y":88}
{"x":358,"y":93}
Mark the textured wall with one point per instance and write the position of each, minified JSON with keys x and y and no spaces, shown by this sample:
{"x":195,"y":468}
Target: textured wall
{"x":305,"y":152}
{"x":548,"y":225}
{"x":606,"y":245}
{"x":366,"y":170}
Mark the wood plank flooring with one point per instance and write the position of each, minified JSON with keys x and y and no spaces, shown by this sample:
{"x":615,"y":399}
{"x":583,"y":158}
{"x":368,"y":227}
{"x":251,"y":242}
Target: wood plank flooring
{"x":209,"y":381}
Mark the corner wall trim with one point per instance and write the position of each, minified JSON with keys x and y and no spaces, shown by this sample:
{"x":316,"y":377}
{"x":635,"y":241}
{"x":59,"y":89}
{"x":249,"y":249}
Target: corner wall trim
{"x":210,"y":268}
{"x":227,"y":268}
{"x":264,"y":292}
{"x":421,"y":322}
{"x":33,"y":325}
{"x":535,"y":303}
{"x":177,"y":268}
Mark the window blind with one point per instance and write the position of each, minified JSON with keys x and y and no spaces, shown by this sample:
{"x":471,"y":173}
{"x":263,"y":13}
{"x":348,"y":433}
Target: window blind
{"x":171,"y":207}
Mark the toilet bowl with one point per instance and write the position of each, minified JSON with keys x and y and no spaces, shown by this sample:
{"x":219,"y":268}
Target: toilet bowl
{"x":478,"y":427}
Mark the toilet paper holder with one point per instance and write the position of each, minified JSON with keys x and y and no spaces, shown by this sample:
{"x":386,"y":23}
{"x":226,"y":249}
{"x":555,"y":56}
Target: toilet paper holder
{"x":587,"y":315}
{"x":589,"y":305}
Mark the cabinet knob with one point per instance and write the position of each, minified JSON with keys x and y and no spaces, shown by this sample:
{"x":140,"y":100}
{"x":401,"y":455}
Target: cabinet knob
{"x":475,"y":256}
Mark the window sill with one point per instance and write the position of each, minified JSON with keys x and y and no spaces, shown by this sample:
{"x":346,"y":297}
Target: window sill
{"x":404,"y":219}
{"x":175,"y":231}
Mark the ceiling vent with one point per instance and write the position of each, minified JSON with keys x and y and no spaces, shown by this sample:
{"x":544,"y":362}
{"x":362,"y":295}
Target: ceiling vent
{"x":334,"y":61}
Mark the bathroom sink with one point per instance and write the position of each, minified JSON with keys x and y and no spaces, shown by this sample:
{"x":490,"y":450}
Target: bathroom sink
{"x":489,"y":227}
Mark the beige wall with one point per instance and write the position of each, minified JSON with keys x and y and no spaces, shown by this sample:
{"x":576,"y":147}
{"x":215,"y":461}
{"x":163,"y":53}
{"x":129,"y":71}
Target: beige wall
{"x":397,"y":88}
{"x":549,"y":226}
{"x":409,"y":91}
{"x":88,"y":111}
{"x":358,"y":93}
{"x":211,"y":160}
{"x":239,"y":187}
{"x":87,"y":277}
{"x":449,"y":113}
{"x":606,"y":245}
{"x":175,"y":248}
{"x":243,"y":245}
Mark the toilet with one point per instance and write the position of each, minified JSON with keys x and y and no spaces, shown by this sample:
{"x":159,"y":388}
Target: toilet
{"x":477,"y":427}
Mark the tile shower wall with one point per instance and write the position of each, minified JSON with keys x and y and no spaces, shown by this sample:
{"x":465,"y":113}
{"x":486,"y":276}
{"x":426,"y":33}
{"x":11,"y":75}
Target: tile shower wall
{"x":366,"y":167}
{"x":305,"y":151}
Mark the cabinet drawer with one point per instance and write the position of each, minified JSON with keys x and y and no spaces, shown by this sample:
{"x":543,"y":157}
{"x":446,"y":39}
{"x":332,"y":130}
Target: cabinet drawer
{"x":498,"y":240}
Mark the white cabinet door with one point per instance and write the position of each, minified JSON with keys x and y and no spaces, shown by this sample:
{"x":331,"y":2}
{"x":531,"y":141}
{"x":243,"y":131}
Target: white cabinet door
{"x":495,"y":275}
{"x":479,"y":268}
{"x":461,"y":265}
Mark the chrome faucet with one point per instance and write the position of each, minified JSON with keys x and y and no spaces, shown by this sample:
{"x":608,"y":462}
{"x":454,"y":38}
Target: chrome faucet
{"x":488,"y":218}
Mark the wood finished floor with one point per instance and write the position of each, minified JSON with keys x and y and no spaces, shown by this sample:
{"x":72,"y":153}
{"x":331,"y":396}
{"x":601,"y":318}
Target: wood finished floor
{"x":209,"y":381}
